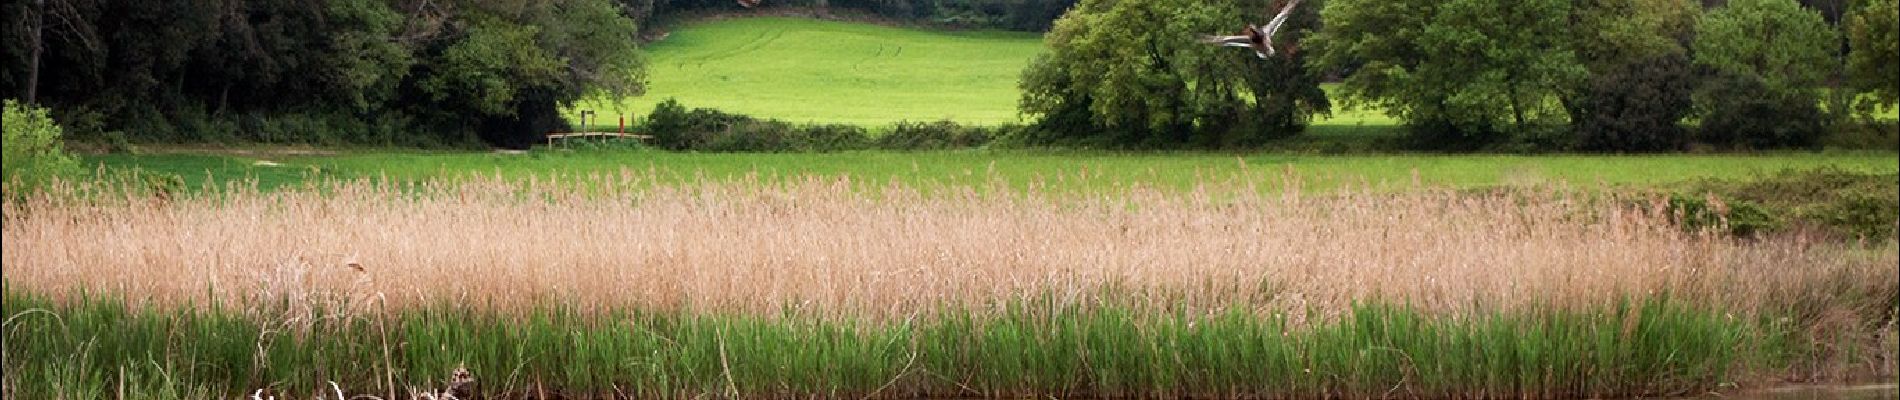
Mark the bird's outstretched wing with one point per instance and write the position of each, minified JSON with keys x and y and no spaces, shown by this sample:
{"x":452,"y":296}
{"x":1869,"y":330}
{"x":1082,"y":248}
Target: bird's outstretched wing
{"x":1228,"y":41}
{"x":1279,"y":20}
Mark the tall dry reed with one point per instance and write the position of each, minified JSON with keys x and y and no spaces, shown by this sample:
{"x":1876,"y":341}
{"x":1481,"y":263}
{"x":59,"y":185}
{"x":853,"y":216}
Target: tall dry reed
{"x":827,"y":246}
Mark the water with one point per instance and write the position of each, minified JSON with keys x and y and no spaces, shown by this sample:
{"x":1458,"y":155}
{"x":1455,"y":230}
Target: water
{"x":1885,"y":391}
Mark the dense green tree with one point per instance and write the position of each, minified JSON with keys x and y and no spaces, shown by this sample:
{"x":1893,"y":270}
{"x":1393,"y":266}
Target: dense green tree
{"x":1459,"y":73}
{"x":1872,"y":34}
{"x":1134,"y":74}
{"x":364,"y":65}
{"x":1769,"y":59}
{"x":1639,"y":79}
{"x":1781,"y":43}
{"x":398,"y":71}
{"x":1611,"y":33}
{"x":1636,"y":105}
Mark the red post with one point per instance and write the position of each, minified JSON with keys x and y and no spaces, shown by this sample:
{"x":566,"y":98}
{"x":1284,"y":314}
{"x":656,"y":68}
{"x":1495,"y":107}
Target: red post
{"x":623,"y":124}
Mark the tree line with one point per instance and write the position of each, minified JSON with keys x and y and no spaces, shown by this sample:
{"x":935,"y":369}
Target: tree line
{"x":407,"y":72}
{"x":1604,"y":75}
{"x":398,"y":72}
{"x":1590,"y":75}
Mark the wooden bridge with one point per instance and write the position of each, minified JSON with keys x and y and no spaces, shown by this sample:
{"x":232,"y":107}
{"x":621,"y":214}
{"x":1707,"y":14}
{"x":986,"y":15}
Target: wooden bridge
{"x":585,"y":115}
{"x":569,"y":135}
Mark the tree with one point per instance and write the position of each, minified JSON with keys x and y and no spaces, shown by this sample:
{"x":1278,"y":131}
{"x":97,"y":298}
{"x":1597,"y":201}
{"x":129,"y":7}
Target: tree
{"x":1611,"y":33}
{"x":413,"y":71}
{"x":1635,"y":106}
{"x":1131,"y":73}
{"x":1769,"y":60}
{"x":1777,"y":41}
{"x":1639,"y":80}
{"x":508,"y":68}
{"x":1459,"y":73}
{"x":1875,"y":44}
{"x":31,"y":144}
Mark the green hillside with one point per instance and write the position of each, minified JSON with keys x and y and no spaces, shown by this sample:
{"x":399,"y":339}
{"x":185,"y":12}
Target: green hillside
{"x":823,"y":71}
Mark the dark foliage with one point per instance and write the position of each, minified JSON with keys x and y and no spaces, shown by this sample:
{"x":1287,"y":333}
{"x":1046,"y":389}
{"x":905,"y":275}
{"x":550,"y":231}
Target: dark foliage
{"x":702,"y":129}
{"x":360,"y":71}
{"x":674,"y":127}
{"x":1833,"y":202}
{"x":1444,"y":135}
{"x":1743,"y":112}
{"x":1636,"y":107}
{"x":932,"y":136}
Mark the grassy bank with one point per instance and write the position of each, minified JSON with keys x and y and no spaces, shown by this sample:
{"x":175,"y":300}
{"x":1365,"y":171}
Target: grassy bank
{"x":100,"y":346}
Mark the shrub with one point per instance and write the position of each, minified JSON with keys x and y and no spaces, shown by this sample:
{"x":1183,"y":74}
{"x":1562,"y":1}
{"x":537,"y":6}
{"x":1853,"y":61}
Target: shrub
{"x":33,"y":153}
{"x":702,"y":129}
{"x":832,"y":137}
{"x":932,"y":135}
{"x":1864,"y":135}
{"x":1743,"y":112}
{"x":675,"y":128}
{"x":1636,"y":107}
{"x":750,"y":135}
{"x":1837,"y":202}
{"x":1445,"y":135}
{"x":1740,"y":218}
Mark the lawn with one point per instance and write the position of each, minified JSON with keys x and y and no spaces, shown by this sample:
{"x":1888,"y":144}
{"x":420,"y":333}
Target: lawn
{"x":1061,"y":170}
{"x":807,"y":70}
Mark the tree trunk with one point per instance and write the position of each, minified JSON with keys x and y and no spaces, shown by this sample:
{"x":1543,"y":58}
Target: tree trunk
{"x":1517,"y":110}
{"x":33,"y":68}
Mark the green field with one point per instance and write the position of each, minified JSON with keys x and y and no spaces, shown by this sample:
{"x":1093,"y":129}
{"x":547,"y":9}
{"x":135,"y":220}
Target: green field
{"x":1060,"y":169}
{"x":806,"y":70}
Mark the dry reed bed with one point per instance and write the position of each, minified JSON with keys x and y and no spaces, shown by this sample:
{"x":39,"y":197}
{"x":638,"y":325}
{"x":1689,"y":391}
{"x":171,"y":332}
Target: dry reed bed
{"x":827,"y":246}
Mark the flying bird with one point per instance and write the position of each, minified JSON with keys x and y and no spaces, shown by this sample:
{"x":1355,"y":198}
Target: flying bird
{"x":1258,"y":38}
{"x":749,"y":3}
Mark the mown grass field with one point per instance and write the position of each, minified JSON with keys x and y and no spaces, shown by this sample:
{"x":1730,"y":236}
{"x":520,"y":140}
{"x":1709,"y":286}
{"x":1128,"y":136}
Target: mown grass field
{"x":805,"y":70}
{"x":1060,"y":169}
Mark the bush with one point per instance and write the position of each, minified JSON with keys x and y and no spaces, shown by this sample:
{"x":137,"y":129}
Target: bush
{"x":832,"y":137}
{"x":675,"y":128}
{"x":702,"y":129}
{"x":1837,"y":202}
{"x":1539,"y":138}
{"x":1743,"y":112}
{"x":1864,"y":135}
{"x":1636,"y":107}
{"x":1443,"y":135}
{"x":1740,"y":218}
{"x":33,"y":153}
{"x":932,"y":136}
